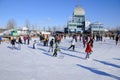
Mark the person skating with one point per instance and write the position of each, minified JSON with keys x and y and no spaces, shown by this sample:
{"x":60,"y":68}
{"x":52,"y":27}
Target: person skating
{"x":28,"y":40}
{"x":72,"y":44}
{"x":13,"y":43}
{"x":51,"y":45}
{"x":45,"y":41}
{"x":0,"y":39}
{"x":24,"y":38}
{"x":84,"y":41}
{"x":117,"y":38}
{"x":91,"y":41}
{"x":88,"y":49}
{"x":19,"y":42}
{"x":34,"y":44}
{"x":56,"y":50}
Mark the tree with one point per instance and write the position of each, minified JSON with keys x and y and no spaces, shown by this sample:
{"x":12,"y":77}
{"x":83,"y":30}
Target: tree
{"x":49,"y":28}
{"x":27,"y":24}
{"x":118,"y":28}
{"x":54,"y":28}
{"x":11,"y":24}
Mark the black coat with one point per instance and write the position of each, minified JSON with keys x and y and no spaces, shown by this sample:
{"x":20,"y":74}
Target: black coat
{"x":20,"y":41}
{"x":51,"y":43}
{"x":13,"y":41}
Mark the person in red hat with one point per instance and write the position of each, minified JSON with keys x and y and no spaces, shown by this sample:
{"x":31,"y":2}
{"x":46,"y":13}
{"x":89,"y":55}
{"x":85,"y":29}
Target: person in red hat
{"x":88,"y":49}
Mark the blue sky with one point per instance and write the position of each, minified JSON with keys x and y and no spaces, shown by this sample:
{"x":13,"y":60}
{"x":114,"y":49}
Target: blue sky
{"x":56,"y":12}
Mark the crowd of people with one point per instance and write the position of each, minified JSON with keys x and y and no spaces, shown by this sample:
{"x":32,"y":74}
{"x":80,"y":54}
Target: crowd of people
{"x":53,"y":43}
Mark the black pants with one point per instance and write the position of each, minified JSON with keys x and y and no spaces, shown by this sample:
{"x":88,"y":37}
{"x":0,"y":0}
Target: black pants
{"x":55,"y":54}
{"x":72,"y":46}
{"x":116,"y":42}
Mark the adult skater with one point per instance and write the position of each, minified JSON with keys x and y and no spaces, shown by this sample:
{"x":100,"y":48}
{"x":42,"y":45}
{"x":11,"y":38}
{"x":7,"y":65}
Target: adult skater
{"x":28,"y":39}
{"x":19,"y":42}
{"x":24,"y":38}
{"x":51,"y":45}
{"x":13,"y":43}
{"x":117,"y":38}
{"x":72,"y":44}
{"x":0,"y":39}
{"x":91,"y":41}
{"x":84,"y":41}
{"x":88,"y":49}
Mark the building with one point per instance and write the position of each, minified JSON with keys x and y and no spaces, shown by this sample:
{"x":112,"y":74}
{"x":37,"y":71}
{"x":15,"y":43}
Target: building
{"x":97,"y":27}
{"x":76,"y":24}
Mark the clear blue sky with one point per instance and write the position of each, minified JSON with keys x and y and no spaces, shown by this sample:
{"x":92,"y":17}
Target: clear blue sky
{"x":57,"y":12}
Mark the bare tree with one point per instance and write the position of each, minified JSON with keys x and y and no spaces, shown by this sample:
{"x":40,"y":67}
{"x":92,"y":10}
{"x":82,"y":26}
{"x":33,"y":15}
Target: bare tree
{"x":11,"y":24}
{"x":27,"y":24}
{"x":54,"y":28}
{"x":33,"y":27}
{"x":49,"y":28}
{"x":118,"y":28}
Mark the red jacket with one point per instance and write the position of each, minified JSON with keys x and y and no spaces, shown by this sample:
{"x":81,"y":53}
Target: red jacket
{"x":88,"y":49}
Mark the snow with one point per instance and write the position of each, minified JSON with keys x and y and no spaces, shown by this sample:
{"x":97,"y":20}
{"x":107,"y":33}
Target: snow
{"x":39,"y":64}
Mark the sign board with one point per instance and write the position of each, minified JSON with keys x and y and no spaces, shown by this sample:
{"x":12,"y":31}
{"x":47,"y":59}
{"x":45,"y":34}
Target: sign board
{"x":14,"y":33}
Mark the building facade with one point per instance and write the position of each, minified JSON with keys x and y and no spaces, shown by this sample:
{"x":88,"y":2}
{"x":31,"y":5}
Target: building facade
{"x":76,"y":24}
{"x":97,"y":27}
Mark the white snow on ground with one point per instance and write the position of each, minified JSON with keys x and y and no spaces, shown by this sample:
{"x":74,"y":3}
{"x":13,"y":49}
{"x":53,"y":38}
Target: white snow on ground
{"x":39,"y":64}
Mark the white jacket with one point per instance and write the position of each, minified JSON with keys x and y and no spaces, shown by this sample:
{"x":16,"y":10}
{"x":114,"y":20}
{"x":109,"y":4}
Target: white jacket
{"x":73,"y":42}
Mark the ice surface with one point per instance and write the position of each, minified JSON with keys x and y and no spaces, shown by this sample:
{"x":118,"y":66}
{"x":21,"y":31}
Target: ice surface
{"x":39,"y":64}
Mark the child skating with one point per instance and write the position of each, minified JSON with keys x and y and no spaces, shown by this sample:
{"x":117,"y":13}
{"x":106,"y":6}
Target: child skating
{"x":56,"y":50}
{"x":34,"y":44}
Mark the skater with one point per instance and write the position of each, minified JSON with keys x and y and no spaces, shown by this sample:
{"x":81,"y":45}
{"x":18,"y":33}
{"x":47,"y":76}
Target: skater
{"x":51,"y":45}
{"x":84,"y":41}
{"x":117,"y":38}
{"x":24,"y":38}
{"x":75,"y":37}
{"x":91,"y":41}
{"x":56,"y":50}
{"x":45,"y":41}
{"x":28,"y":40}
{"x":80,"y":36}
{"x":56,"y":39}
{"x":88,"y":49}
{"x":72,"y":44}
{"x":0,"y":39}
{"x":13,"y":43}
{"x":19,"y":42}
{"x":34,"y":44}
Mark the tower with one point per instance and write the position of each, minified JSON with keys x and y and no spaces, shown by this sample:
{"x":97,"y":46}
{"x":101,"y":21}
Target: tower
{"x":77,"y":24}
